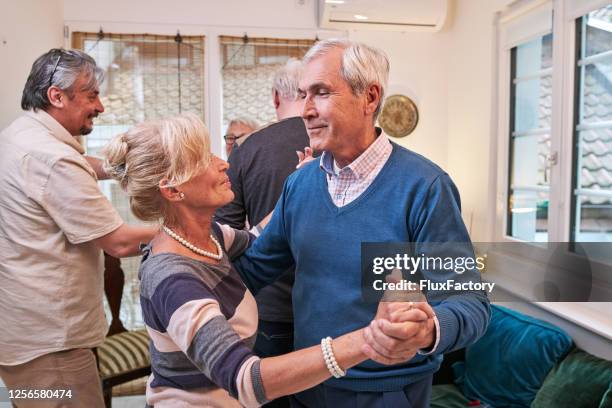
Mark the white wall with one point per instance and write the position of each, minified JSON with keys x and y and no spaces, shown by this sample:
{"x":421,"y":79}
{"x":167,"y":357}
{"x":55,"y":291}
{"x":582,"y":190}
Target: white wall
{"x":278,"y":14}
{"x":28,"y":28}
{"x":470,"y":84}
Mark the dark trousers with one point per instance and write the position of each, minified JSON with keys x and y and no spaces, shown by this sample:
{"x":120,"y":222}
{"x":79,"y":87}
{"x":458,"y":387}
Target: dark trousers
{"x":414,"y":395}
{"x":274,"y":339}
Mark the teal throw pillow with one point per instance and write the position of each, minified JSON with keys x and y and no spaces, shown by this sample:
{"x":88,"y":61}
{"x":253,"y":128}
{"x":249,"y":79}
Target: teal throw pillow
{"x":508,"y":365}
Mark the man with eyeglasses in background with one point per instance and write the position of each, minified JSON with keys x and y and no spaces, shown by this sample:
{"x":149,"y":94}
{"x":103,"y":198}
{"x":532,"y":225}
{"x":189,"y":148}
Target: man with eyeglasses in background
{"x":238,"y":130}
{"x":55,"y":224}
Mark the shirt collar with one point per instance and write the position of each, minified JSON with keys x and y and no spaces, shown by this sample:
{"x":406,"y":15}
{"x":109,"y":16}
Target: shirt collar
{"x":56,"y":129}
{"x":327,"y":163}
{"x":364,"y":163}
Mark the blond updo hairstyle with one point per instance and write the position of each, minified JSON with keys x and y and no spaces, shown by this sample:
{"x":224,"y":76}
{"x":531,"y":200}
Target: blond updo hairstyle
{"x":175,"y":149}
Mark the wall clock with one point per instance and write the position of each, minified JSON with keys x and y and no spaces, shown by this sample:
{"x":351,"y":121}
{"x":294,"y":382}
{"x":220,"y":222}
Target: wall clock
{"x":399,"y":116}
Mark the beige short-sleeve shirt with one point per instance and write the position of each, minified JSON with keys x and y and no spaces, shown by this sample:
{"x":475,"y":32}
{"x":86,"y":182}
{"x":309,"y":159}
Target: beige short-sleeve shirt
{"x":51,"y":272}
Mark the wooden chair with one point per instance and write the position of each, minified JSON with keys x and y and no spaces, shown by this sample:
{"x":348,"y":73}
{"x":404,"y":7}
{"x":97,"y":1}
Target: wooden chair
{"x":123,"y":359}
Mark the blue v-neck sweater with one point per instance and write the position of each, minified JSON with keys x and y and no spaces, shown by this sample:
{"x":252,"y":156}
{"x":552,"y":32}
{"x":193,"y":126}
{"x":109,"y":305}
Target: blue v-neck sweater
{"x":410,"y":200}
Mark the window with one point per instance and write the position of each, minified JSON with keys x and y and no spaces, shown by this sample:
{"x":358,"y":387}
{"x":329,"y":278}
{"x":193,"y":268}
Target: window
{"x":554,"y":157}
{"x":530,"y":128}
{"x":592,"y":184}
{"x":248,"y":67}
{"x":146,"y":77}
{"x":555,"y":127}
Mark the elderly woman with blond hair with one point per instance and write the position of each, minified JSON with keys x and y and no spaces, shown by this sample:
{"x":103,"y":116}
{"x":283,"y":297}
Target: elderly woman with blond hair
{"x":200,"y":316}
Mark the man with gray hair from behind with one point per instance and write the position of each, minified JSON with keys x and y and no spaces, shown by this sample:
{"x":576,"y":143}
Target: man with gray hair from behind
{"x":258,"y":170}
{"x":55,"y":224}
{"x":364,"y":188}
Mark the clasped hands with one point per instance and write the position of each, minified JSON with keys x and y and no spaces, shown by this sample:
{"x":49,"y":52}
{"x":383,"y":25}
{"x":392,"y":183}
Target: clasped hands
{"x":399,"y":329}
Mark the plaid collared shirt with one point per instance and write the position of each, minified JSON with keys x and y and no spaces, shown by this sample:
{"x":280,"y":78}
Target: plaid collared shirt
{"x":348,"y":183}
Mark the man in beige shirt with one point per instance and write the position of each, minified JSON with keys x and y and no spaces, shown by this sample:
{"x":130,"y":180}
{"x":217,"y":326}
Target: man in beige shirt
{"x":55,"y":222}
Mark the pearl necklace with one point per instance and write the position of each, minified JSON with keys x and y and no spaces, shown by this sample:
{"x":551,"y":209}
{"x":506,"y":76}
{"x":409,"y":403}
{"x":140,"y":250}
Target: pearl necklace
{"x":194,"y":248}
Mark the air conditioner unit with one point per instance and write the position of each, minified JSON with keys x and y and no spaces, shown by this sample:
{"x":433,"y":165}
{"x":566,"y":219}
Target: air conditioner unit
{"x":385,"y":15}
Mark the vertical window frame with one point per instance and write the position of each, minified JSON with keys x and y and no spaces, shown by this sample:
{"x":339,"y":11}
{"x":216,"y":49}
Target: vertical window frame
{"x":505,"y":43}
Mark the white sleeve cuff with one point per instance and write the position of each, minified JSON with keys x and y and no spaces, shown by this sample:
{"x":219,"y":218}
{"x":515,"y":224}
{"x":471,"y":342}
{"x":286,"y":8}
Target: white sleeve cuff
{"x":424,"y":352}
{"x":256,"y":231}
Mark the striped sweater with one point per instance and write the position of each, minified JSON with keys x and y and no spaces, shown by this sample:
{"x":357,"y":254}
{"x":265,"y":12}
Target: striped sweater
{"x":202,"y":322}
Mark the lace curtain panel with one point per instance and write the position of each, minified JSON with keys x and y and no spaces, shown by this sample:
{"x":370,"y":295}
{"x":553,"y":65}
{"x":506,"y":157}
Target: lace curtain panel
{"x":248,"y":67}
{"x":146,"y":77}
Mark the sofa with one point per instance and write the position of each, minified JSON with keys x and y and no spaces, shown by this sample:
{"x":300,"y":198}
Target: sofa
{"x":522,"y":362}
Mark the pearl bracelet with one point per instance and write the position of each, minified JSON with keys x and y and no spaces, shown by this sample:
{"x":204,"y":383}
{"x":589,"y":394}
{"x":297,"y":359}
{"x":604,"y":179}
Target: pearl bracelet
{"x":334,"y":362}
{"x":330,"y":359}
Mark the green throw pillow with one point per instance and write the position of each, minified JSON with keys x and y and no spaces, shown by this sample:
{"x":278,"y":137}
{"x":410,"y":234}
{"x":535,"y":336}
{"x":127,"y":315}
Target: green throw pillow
{"x":447,"y":396}
{"x":606,"y":400}
{"x":579,"y":381}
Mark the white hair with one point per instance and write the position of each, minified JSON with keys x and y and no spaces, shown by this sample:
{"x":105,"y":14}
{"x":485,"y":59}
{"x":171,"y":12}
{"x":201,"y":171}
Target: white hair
{"x":361,"y":65}
{"x":244,"y":120}
{"x":286,"y":79}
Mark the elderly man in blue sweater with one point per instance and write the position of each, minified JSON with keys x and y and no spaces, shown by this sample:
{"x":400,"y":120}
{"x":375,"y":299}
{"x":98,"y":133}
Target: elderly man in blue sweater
{"x":364,"y":188}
